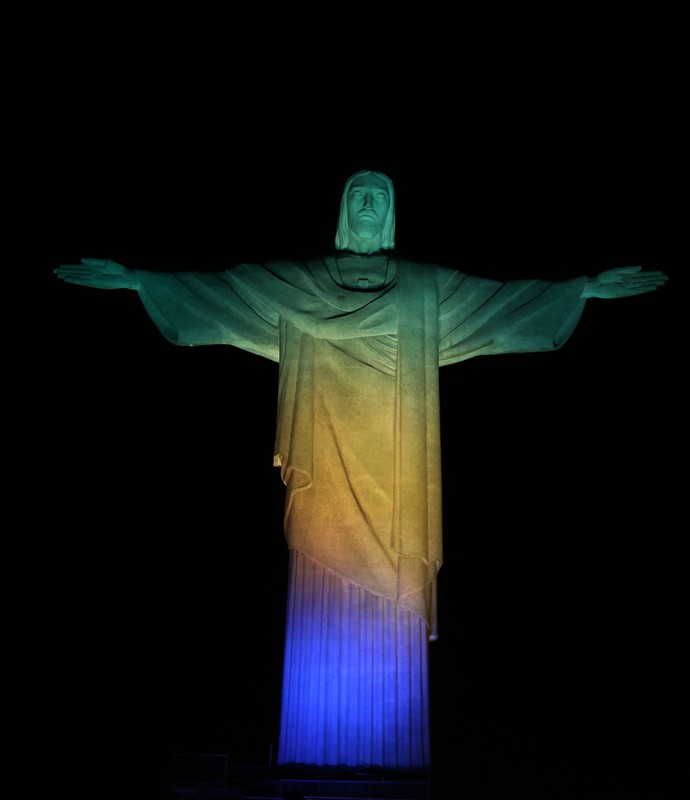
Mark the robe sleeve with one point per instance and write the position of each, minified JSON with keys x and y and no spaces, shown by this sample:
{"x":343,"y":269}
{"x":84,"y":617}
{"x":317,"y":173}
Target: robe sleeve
{"x":202,"y":308}
{"x":485,"y":317}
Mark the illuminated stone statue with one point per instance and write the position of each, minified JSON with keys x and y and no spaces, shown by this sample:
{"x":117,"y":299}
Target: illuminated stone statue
{"x":359,"y":336}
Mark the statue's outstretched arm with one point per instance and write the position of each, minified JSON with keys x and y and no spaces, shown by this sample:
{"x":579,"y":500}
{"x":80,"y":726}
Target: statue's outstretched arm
{"x":99,"y":273}
{"x":102,"y":273}
{"x":623,"y":282}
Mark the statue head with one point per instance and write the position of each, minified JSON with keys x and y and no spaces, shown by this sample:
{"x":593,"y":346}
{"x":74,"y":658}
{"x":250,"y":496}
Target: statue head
{"x":367,"y":213}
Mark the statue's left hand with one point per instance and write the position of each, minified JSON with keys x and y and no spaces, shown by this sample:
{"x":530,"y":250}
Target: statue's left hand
{"x":624,"y":282}
{"x":99,"y":273}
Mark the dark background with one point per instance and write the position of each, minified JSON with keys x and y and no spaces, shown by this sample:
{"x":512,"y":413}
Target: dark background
{"x":151,"y":515}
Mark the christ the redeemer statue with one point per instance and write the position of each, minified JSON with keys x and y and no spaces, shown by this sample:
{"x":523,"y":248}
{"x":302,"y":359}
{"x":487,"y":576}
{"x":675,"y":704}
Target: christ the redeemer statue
{"x":359,"y":336}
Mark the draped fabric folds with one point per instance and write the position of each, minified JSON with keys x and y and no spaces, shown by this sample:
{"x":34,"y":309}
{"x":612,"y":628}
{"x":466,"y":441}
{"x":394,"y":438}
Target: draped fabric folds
{"x":358,"y":446}
{"x":355,"y":676}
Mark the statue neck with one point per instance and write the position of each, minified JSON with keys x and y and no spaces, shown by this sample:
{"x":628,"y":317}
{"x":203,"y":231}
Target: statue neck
{"x":365,"y":247}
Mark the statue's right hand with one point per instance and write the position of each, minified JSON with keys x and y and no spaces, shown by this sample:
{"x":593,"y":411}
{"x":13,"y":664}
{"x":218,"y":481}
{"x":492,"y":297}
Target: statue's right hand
{"x":100,"y":273}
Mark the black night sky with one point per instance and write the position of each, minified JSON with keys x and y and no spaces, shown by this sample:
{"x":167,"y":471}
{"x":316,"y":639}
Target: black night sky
{"x":159,"y":565}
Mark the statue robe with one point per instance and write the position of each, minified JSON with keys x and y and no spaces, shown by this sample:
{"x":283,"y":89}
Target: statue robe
{"x":358,"y":446}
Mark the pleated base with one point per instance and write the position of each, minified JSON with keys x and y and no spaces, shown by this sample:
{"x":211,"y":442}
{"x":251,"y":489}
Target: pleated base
{"x":355,"y":676}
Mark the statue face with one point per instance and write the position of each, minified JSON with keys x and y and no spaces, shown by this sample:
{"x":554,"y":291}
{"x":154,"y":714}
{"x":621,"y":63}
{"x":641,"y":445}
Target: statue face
{"x":368,"y":202}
